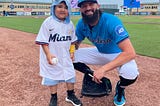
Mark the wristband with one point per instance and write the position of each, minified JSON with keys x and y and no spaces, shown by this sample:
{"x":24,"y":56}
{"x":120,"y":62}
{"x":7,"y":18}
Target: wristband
{"x":72,"y":49}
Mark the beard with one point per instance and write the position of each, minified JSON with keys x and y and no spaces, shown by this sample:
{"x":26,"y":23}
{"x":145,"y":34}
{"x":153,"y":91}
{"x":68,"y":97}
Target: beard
{"x":93,"y":18}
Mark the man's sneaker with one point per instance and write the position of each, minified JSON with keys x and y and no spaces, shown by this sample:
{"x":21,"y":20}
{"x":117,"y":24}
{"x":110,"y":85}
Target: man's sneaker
{"x":53,"y":101}
{"x":119,"y":98}
{"x":73,"y":99}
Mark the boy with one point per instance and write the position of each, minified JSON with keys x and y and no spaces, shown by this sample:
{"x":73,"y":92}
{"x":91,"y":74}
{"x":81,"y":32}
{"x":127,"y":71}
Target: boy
{"x":56,"y":36}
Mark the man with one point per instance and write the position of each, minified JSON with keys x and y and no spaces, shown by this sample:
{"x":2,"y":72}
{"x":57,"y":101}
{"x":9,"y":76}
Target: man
{"x":113,"y":48}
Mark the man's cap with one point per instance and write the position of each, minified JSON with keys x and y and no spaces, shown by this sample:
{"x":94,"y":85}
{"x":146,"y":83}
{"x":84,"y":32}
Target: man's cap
{"x":82,"y":1}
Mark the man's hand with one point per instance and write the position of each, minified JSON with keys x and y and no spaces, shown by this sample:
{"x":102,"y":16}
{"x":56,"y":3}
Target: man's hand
{"x":98,"y":75}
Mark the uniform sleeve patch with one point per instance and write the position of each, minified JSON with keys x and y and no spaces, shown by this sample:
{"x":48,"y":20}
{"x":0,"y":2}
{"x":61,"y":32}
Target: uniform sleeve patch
{"x":120,"y":30}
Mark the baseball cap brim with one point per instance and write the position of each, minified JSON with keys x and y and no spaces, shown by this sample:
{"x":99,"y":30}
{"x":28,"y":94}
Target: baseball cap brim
{"x":93,"y":1}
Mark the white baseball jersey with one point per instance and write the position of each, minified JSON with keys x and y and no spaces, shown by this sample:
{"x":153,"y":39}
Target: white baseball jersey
{"x":58,"y":35}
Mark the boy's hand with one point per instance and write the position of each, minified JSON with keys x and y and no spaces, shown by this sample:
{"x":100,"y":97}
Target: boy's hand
{"x":72,"y":56}
{"x":49,"y":56}
{"x":49,"y":59}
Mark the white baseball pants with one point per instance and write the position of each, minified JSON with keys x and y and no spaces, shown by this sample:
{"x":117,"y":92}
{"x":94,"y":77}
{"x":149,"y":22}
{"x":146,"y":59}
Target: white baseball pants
{"x":92,"y":56}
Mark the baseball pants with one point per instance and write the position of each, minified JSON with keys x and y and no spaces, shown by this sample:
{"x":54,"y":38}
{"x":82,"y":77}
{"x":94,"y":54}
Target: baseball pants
{"x":92,"y":56}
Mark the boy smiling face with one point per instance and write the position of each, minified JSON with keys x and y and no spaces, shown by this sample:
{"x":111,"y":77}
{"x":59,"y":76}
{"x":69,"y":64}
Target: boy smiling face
{"x":61,"y":11}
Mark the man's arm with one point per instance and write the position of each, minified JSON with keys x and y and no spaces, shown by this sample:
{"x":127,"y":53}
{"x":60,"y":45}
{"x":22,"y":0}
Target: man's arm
{"x":127,"y":54}
{"x":77,"y":44}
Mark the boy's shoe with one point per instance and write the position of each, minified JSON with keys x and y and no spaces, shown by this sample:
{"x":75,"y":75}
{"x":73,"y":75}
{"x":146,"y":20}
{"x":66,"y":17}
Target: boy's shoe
{"x":73,"y":99}
{"x":119,"y":98}
{"x":53,"y":101}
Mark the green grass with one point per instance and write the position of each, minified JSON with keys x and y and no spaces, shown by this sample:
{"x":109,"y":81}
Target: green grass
{"x":26,"y":24}
{"x":144,"y":36}
{"x":139,"y":19}
{"x":145,"y":39}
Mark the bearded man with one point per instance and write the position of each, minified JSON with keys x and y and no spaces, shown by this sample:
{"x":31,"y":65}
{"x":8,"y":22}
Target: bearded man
{"x":112,"y":47}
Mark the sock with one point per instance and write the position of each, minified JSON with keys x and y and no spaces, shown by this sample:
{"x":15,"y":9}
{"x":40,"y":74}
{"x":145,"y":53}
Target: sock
{"x":82,"y":68}
{"x":54,"y":95}
{"x":120,"y":89}
{"x":70,"y":92}
{"x":125,"y":82}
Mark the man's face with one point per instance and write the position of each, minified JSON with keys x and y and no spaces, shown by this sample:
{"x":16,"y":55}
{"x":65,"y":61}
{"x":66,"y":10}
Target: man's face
{"x":90,"y":12}
{"x":88,"y":8}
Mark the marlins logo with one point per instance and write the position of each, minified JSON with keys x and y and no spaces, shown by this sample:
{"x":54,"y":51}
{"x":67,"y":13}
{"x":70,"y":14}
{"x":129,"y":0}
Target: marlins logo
{"x":70,"y":32}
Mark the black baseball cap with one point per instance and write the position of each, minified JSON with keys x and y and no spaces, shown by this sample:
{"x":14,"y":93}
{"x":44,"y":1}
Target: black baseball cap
{"x":82,"y":1}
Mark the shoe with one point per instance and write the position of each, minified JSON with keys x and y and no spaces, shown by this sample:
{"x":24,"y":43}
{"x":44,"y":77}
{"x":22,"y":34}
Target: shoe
{"x":73,"y":99}
{"x":53,"y":101}
{"x":119,"y":98}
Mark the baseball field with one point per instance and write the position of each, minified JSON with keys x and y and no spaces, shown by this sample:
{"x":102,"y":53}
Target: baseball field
{"x":19,"y":69}
{"x":144,"y":30}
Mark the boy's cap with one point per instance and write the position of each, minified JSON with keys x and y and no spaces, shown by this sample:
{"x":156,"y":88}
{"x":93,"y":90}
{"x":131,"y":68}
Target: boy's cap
{"x":82,"y":1}
{"x":56,"y":2}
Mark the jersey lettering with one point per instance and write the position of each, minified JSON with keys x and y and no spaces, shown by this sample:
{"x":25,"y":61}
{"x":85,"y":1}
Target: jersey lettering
{"x":56,"y":37}
{"x":99,"y":41}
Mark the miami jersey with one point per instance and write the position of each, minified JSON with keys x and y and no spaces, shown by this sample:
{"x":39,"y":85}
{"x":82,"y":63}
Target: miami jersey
{"x":105,"y":35}
{"x":58,"y":36}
